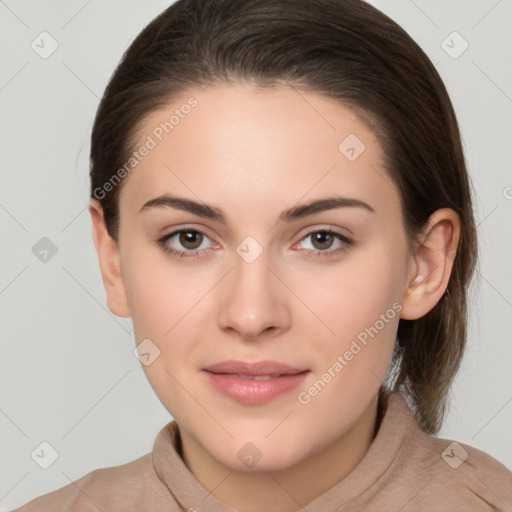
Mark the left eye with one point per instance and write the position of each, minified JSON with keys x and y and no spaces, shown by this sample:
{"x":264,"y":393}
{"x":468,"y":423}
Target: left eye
{"x":323,"y":240}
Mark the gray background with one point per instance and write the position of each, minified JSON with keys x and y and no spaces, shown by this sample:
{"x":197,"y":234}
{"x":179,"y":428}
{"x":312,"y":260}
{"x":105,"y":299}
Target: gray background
{"x":67,"y":370}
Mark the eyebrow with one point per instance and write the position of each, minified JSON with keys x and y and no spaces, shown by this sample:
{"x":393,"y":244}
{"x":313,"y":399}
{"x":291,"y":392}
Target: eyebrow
{"x":294,"y":213}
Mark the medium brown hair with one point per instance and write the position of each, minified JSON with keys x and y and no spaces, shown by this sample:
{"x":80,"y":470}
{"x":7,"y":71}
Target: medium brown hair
{"x":343,"y":49}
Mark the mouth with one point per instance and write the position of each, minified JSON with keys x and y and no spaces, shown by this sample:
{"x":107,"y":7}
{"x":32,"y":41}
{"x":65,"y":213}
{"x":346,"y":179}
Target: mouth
{"x":253,"y":383}
{"x":251,"y":377}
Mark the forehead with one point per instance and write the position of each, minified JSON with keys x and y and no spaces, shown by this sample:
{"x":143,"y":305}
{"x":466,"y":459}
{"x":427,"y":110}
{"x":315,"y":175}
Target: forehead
{"x":234,"y":144}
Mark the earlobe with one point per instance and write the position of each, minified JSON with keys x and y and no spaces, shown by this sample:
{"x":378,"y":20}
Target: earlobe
{"x":109,"y":261}
{"x":432,"y":263}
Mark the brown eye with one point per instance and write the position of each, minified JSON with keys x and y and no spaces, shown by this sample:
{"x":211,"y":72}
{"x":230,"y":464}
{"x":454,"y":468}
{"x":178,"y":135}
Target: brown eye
{"x":185,"y":243}
{"x":322,"y":240}
{"x":325,"y":243}
{"x":190,"y":239}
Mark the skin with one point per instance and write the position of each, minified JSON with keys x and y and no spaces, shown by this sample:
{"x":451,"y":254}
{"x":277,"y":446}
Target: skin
{"x":253,"y":153}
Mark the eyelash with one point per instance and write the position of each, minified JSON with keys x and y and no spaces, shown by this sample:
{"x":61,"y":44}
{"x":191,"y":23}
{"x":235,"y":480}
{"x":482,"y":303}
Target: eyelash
{"x":331,"y":253}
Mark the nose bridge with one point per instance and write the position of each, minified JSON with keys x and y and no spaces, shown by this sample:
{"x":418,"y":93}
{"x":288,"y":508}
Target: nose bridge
{"x":252,"y":301}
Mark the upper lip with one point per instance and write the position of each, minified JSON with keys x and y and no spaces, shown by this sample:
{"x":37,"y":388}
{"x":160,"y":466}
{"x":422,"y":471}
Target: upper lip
{"x":256,"y":368}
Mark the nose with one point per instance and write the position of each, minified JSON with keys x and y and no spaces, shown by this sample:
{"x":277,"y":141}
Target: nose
{"x":254,"y":302}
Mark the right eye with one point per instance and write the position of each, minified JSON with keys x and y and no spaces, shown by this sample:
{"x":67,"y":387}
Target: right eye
{"x":190,"y":239}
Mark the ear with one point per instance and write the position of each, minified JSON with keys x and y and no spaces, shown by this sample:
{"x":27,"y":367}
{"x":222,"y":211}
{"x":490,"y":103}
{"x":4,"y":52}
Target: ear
{"x":431,"y":264}
{"x":109,"y":260}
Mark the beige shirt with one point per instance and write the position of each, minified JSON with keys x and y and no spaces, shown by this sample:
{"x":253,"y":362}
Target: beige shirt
{"x":404,"y":470}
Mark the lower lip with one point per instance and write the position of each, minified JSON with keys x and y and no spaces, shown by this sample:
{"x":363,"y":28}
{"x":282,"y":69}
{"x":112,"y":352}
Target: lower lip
{"x":251,"y":391}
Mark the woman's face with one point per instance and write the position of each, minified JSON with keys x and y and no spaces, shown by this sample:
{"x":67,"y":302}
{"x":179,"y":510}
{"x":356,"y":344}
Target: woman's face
{"x":255,"y":291}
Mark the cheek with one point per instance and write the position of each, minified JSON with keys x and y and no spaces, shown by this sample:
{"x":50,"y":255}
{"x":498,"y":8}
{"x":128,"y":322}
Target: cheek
{"x":165,"y":304}
{"x":161,"y":293}
{"x":359,"y":301}
{"x":353,"y":295}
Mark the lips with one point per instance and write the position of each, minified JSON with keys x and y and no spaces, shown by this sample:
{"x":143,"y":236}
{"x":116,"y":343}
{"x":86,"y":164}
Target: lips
{"x":273,"y":368}
{"x":253,"y":383}
{"x":249,"y":377}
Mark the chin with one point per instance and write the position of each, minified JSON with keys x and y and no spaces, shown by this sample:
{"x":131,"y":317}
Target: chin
{"x":260,"y":455}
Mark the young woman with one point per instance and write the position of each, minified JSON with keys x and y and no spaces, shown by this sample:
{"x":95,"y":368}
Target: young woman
{"x":280,"y":202}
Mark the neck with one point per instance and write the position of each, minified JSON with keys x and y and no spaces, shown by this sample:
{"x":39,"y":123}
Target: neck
{"x":290,"y":489}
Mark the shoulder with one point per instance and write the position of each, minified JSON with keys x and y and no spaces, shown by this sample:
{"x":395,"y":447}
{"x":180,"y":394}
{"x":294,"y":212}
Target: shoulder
{"x":460,"y":475}
{"x":470,"y":467}
{"x":452,"y":474}
{"x":428,"y":473}
{"x":111,"y":488}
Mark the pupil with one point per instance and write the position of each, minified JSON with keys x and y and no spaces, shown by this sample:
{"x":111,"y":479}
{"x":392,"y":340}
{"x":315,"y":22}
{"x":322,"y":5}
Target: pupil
{"x":190,"y":239}
{"x":324,"y":238}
